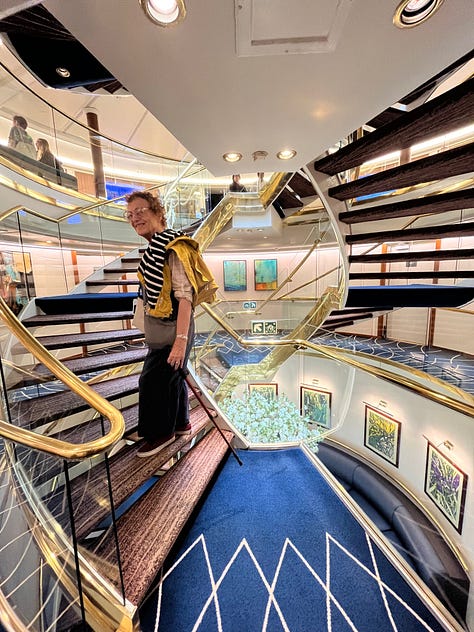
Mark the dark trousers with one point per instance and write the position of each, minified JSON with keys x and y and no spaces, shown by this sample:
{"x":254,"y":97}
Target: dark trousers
{"x":163,"y":396}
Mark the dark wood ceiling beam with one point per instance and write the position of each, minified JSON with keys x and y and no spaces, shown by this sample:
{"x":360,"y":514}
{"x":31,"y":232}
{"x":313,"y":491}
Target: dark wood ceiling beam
{"x":413,"y":234}
{"x":423,"y":255}
{"x":427,"y":274}
{"x":429,"y":205}
{"x":447,"y":112}
{"x":446,"y":164}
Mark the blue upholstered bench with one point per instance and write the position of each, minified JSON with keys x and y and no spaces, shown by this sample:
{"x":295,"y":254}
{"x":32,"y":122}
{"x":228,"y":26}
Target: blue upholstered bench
{"x":405,"y":525}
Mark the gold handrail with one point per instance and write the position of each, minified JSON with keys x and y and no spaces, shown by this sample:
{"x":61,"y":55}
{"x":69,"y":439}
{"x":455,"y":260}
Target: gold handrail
{"x":466,"y":408}
{"x":50,"y":445}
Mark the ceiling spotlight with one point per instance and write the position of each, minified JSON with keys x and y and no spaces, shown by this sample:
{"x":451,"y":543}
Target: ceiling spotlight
{"x":259,"y":154}
{"x":286,"y":154}
{"x":410,"y":13}
{"x":232,"y":156}
{"x":63,"y":72}
{"x":164,"y":12}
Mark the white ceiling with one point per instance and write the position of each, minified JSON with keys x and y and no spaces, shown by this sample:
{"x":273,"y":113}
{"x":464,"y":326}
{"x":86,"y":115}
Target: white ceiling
{"x":192,"y":79}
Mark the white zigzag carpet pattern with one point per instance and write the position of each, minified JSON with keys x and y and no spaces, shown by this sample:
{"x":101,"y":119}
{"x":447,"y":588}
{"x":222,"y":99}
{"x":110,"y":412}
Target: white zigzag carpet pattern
{"x":270,"y":584}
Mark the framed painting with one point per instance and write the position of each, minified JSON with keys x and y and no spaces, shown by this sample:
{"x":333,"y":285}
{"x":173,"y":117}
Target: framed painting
{"x":382,"y":434}
{"x":268,"y":390}
{"x":315,"y":404}
{"x":235,"y":276}
{"x":266,"y":275}
{"x":446,"y":485}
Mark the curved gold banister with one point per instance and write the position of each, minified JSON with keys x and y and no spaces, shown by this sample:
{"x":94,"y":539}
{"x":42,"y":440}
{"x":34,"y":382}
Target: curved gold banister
{"x":466,"y":407}
{"x":50,"y":445}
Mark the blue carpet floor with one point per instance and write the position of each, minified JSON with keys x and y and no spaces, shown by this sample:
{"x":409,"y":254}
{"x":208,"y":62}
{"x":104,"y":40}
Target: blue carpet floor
{"x":274,"y":549}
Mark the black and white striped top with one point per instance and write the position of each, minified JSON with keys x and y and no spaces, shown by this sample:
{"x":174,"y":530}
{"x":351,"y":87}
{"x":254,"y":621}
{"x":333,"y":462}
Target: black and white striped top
{"x":152,"y":262}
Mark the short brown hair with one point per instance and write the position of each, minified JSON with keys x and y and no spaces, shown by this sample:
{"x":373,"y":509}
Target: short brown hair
{"x":155,"y":203}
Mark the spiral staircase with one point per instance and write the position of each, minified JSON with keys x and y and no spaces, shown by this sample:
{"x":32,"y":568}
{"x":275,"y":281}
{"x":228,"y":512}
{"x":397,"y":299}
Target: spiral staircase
{"x":92,"y":507}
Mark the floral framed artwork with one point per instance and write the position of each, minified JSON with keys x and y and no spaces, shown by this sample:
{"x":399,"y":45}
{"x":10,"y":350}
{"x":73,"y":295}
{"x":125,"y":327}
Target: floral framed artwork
{"x":266,"y":274}
{"x":382,"y":434}
{"x":268,"y":390}
{"x":315,"y":404}
{"x":446,"y":485}
{"x":235,"y":276}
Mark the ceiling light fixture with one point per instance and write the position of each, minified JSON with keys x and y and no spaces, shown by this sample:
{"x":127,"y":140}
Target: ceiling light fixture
{"x":286,"y":154}
{"x":410,"y":13}
{"x":164,"y":12}
{"x":232,"y":156}
{"x":63,"y":72}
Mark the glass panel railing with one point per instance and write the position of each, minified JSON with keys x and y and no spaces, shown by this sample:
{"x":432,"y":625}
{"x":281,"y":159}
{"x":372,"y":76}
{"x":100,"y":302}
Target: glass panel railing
{"x":45,"y":467}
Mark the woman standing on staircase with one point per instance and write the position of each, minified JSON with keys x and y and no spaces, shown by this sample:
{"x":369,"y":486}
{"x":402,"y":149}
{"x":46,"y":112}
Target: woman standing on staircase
{"x":173,"y":278}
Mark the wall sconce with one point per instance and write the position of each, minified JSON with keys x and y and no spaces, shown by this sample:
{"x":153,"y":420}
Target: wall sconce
{"x":164,"y":12}
{"x":447,"y":444}
{"x":315,"y":381}
{"x":383,"y":404}
{"x":410,"y":13}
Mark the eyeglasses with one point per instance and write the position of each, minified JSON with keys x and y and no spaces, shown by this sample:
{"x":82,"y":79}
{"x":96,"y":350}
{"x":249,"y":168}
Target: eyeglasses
{"x":138,"y":212}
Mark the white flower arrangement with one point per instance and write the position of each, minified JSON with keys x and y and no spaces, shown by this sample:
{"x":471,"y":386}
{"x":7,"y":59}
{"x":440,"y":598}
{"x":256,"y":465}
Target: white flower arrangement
{"x":263,"y":419}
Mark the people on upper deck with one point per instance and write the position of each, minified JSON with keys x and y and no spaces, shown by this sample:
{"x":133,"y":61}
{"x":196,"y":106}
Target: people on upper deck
{"x":236,"y":186}
{"x":19,"y":139}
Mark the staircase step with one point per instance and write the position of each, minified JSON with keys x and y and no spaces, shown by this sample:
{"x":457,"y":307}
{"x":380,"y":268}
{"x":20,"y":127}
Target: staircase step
{"x":73,"y":318}
{"x":128,"y":472}
{"x":301,"y":186}
{"x":31,"y":413}
{"x":288,"y":199}
{"x":121,"y":270}
{"x":86,"y":303}
{"x":99,"y":362}
{"x":429,"y":205}
{"x":161,"y":514}
{"x":419,"y":274}
{"x":449,"y":111}
{"x":106,"y":282}
{"x":416,"y":295}
{"x":413,"y":234}
{"x":64,"y":341}
{"x":446,"y":164}
{"x":414,"y":255}
{"x":44,"y":467}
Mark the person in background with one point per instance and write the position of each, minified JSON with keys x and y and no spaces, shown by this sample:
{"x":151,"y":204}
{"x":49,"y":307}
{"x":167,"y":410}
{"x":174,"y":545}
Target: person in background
{"x":44,"y":154}
{"x":168,"y":273}
{"x":19,"y":139}
{"x":236,"y":186}
{"x":260,"y":180}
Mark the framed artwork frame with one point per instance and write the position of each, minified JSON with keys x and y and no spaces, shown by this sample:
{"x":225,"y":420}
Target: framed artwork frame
{"x":445,"y":485}
{"x":235,"y":276}
{"x":315,"y":404}
{"x":267,"y":389}
{"x":266,"y":274}
{"x":382,"y":434}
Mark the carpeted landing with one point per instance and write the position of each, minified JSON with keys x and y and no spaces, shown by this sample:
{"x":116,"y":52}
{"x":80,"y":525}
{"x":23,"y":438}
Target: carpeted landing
{"x":274,"y":549}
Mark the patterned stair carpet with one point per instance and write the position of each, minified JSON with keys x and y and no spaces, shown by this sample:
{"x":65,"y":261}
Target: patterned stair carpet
{"x":274,"y":549}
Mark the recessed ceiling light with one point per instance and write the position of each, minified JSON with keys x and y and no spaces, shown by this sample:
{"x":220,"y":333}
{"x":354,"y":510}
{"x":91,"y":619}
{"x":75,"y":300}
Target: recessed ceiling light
{"x":286,"y":154}
{"x":63,"y":72}
{"x":164,"y":12}
{"x":410,"y":13}
{"x":232,"y":156}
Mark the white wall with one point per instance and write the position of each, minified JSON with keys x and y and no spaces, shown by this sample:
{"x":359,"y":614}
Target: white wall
{"x":421,"y":420}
